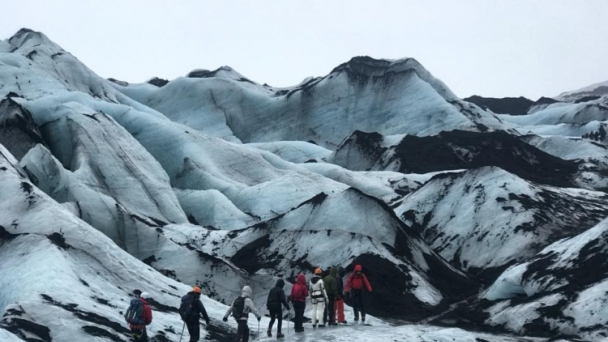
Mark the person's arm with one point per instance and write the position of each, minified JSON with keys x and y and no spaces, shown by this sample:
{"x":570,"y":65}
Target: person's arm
{"x":201,"y":309}
{"x":369,"y":287}
{"x":283,"y":300}
{"x":228,"y":312}
{"x":252,"y":309}
{"x":347,"y":286}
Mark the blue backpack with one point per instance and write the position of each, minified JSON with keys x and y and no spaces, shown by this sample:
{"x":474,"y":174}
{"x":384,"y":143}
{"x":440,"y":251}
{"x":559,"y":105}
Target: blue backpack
{"x":135,"y":312}
{"x":185,"y":309}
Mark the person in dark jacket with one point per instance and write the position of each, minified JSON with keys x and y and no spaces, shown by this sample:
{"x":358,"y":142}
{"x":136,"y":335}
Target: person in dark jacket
{"x":339,"y":303}
{"x":195,"y":309}
{"x":299,"y":292}
{"x":276,"y":298}
{"x":332,"y":290}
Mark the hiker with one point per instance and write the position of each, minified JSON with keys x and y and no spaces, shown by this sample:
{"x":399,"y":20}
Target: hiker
{"x":331,"y":289}
{"x":318,"y":297}
{"x":240,"y":309}
{"x":276,"y":298}
{"x":138,"y":316}
{"x":339,"y":303}
{"x":356,"y":284}
{"x":299,"y":292}
{"x":190,"y":310}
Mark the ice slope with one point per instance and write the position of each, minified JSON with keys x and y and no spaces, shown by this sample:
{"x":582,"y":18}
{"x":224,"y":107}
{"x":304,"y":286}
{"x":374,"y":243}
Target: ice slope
{"x":264,"y":187}
{"x":452,"y":151}
{"x":574,"y":119}
{"x":561,"y":290}
{"x":63,"y":280}
{"x":18,"y":132}
{"x":391,"y":97}
{"x":594,"y":154}
{"x":294,"y":151}
{"x":487,"y":218}
{"x":597,"y":89}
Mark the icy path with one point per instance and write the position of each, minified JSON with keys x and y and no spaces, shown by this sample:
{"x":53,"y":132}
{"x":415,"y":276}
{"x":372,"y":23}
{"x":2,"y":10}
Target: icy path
{"x":406,"y":333}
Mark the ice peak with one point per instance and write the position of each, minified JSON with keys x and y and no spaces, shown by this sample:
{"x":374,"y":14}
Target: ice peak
{"x":28,"y":38}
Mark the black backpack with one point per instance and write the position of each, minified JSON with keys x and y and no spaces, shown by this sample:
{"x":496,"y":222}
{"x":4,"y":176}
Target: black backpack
{"x":185,"y":309}
{"x":238,"y":308}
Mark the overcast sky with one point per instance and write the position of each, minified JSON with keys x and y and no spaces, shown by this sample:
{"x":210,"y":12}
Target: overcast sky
{"x":487,"y":47}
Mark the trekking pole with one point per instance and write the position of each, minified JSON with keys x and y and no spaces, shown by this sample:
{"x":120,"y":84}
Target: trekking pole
{"x":180,"y":338}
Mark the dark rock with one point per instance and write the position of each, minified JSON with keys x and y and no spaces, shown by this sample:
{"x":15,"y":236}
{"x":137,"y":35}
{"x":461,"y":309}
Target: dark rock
{"x":508,"y":105}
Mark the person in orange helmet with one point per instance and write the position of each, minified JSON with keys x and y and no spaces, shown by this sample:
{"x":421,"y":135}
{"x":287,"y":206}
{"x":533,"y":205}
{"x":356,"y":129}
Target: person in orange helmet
{"x":190,"y":310}
{"x":318,"y":297}
{"x":355,"y":287}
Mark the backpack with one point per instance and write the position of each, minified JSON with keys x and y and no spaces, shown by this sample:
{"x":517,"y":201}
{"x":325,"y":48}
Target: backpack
{"x":317,"y":290}
{"x":185,"y":308}
{"x":135,"y":312}
{"x":238,"y":308}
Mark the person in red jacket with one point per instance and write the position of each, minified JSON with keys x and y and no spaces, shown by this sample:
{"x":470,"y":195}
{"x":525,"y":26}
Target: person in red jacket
{"x":139,"y":315}
{"x":299,"y":292}
{"x":355,"y":287}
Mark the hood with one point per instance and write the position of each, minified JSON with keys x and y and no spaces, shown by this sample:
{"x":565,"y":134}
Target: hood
{"x":301,"y":279}
{"x":341,"y":271}
{"x":280,"y":283}
{"x":246,"y":291}
{"x":333,"y":272}
{"x":315,"y":279}
{"x":358,"y":268}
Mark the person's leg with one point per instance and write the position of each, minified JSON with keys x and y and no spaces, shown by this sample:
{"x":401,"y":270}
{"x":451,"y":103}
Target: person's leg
{"x":299,"y":311}
{"x":272,"y":319}
{"x":314,"y":315}
{"x":144,"y":336}
{"x":245,"y":331}
{"x":362,"y":306}
{"x":195,"y":331}
{"x":279,"y":322}
{"x":340,"y":310}
{"x":320,"y":311}
{"x":331,"y":314}
{"x":239,"y":331}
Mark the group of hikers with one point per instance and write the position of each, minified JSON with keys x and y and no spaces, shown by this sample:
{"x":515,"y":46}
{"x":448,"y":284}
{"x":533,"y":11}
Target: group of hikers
{"x":326,"y":295}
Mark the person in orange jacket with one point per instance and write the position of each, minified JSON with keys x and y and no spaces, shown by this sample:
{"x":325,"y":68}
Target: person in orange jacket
{"x":355,"y":287}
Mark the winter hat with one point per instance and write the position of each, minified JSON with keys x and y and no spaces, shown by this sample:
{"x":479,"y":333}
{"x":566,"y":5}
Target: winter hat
{"x":318,"y":270}
{"x":196,"y":289}
{"x":145,"y":295}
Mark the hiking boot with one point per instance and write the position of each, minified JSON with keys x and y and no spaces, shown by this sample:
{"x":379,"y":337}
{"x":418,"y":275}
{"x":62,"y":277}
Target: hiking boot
{"x":314,"y":325}
{"x":279,"y":335}
{"x":321,"y":325}
{"x":269,"y":333}
{"x":344,"y":322}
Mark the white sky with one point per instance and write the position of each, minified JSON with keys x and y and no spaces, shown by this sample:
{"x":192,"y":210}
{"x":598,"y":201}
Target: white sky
{"x":488,"y":47}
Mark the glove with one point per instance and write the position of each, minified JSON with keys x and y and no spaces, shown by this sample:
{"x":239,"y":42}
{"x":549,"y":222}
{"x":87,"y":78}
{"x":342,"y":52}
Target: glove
{"x":225,"y":319}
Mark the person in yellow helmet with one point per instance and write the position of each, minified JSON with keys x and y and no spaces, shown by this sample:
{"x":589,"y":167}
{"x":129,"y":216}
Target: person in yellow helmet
{"x":318,"y":298}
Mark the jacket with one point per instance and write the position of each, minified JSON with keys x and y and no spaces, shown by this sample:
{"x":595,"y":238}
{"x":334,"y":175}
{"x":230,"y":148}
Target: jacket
{"x":249,"y":307}
{"x":276,"y":297}
{"x":330,"y":282}
{"x":317,"y":290}
{"x":197,"y":309}
{"x":357,"y":281}
{"x":299,"y":291}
